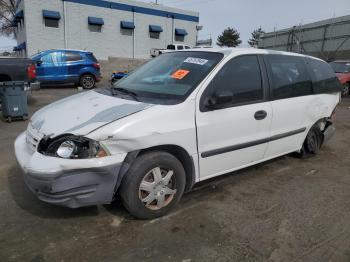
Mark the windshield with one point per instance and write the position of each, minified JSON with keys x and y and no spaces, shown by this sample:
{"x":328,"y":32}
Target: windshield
{"x":37,"y":56}
{"x":171,"y":76}
{"x":341,"y":67}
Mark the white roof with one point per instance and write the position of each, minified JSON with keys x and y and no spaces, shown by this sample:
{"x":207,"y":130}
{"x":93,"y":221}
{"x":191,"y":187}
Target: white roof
{"x":228,"y":51}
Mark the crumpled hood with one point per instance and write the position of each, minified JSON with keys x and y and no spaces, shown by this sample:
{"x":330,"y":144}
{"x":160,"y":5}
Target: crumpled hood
{"x":82,"y":113}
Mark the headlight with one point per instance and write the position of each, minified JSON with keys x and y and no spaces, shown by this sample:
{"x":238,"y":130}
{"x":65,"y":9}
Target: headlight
{"x":71,"y":147}
{"x":66,"y":149}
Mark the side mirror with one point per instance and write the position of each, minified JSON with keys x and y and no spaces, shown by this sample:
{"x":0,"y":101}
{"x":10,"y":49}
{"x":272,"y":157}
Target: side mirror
{"x":218,"y":99}
{"x":39,"y":62}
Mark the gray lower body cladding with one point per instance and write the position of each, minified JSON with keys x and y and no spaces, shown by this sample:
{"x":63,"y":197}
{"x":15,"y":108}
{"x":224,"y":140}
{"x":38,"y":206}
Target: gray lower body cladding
{"x":77,"y":188}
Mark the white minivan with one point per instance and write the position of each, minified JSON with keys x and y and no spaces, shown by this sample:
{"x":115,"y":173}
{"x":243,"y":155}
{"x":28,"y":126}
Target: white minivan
{"x":179,"y":119}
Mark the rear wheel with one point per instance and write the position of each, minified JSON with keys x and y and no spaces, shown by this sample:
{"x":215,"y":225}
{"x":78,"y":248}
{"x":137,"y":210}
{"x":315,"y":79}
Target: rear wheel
{"x":312,"y":143}
{"x":346,"y":89}
{"x":87,"y":81}
{"x":153,"y":185}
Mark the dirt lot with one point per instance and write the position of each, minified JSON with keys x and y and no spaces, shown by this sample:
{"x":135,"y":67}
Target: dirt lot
{"x":283,"y":210}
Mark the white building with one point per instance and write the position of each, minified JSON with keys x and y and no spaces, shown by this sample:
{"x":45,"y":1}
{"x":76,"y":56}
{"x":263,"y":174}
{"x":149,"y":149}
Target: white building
{"x":106,"y":27}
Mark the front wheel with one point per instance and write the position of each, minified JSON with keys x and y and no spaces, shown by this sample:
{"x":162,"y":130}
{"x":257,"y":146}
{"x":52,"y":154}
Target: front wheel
{"x":153,"y":185}
{"x":87,"y":81}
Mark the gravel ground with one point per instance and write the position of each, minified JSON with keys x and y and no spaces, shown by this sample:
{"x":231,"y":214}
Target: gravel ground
{"x":286,"y":209}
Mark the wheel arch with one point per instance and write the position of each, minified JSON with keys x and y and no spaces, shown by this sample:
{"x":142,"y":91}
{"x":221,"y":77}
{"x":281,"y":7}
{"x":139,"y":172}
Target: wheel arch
{"x":86,"y":73}
{"x":180,"y":153}
{"x":322,"y":124}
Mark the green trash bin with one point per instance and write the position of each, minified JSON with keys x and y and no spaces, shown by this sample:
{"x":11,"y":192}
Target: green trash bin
{"x":14,"y":100}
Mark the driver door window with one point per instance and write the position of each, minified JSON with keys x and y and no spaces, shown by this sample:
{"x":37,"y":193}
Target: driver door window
{"x":242,"y":78}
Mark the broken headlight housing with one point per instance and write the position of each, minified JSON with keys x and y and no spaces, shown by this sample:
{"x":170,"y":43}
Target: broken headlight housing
{"x":71,"y":147}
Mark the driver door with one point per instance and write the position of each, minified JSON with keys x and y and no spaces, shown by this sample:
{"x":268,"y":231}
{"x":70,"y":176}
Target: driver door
{"x":233,"y":135}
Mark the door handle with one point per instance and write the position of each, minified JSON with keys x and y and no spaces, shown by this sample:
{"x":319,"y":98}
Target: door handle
{"x":260,"y":115}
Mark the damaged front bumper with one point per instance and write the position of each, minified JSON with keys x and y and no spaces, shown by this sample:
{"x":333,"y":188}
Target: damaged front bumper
{"x":69,"y":182}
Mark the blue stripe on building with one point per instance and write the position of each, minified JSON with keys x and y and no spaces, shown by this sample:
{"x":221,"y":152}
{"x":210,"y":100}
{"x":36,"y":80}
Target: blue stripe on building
{"x":136,"y":9}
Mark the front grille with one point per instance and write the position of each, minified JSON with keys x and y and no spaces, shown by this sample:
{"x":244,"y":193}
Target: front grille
{"x":33,"y":138}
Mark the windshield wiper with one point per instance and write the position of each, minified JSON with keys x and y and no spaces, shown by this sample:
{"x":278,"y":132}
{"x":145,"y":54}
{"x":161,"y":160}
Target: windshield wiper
{"x":127,"y":92}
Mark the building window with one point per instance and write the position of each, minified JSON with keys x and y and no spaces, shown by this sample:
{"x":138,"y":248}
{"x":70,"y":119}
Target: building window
{"x":180,"y":34}
{"x":154,"y":35}
{"x":95,"y":24}
{"x":179,"y":38}
{"x":127,"y":28}
{"x":51,"y":23}
{"x":51,"y":18}
{"x":154,"y":31}
{"x":95,"y":28}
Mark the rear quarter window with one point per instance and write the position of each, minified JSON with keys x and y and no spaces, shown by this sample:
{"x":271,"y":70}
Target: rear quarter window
{"x":324,"y":78}
{"x":71,"y":57}
{"x":91,"y":57}
{"x":289,"y":76}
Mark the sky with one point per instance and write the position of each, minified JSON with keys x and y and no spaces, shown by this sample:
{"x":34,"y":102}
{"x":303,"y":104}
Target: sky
{"x":247,"y":15}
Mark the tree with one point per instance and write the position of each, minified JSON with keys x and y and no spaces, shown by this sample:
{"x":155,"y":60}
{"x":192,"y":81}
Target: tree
{"x":7,"y":14}
{"x":255,"y":37}
{"x":229,"y":38}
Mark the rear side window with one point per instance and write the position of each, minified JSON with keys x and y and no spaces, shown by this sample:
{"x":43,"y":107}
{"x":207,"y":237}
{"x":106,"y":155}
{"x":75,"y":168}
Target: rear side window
{"x":324,"y":78}
{"x":242,"y":77}
{"x":180,"y":47}
{"x":171,"y":47}
{"x":92,"y":57}
{"x":71,"y":57}
{"x":289,"y":76}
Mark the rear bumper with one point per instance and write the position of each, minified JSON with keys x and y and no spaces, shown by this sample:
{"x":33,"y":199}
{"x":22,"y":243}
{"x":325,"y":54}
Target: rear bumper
{"x":70,"y":183}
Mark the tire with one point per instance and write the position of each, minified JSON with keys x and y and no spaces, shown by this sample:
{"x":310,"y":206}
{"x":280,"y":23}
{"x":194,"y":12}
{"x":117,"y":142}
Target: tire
{"x":87,"y":81}
{"x":151,"y":199}
{"x":345,"y":91}
{"x":312,"y":143}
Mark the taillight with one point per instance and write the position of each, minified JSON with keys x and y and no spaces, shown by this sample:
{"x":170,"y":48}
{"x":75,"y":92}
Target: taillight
{"x":97,"y":66}
{"x":31,"y":72}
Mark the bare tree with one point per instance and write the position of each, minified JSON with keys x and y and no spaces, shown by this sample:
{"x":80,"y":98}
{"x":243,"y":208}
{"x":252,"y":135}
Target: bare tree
{"x":7,"y":14}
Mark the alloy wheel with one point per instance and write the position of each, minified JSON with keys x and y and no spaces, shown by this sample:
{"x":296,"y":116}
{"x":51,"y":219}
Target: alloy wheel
{"x":88,"y":82}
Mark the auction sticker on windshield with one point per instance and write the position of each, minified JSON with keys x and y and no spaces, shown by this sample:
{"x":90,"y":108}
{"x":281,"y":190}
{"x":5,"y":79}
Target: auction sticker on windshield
{"x":180,"y":74}
{"x":195,"y":60}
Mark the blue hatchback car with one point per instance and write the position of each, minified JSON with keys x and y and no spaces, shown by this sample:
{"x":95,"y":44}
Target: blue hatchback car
{"x":67,"y":66}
